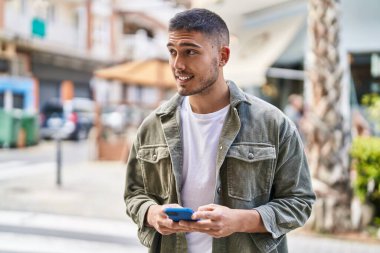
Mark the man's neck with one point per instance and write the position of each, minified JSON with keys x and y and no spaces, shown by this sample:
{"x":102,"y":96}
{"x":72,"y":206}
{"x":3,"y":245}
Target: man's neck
{"x":215,"y":99}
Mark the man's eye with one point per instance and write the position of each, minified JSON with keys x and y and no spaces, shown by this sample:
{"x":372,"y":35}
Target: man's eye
{"x":191,"y":52}
{"x":172,"y":52}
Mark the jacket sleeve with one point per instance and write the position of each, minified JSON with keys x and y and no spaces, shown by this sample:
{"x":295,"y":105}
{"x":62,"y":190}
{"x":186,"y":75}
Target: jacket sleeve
{"x":136,"y":200}
{"x":292,"y":191}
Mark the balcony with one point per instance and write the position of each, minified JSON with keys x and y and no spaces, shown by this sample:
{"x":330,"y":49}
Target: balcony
{"x":139,"y":46}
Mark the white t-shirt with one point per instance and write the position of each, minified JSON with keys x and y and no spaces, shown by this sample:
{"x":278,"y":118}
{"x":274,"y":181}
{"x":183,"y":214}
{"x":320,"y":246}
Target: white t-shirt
{"x":201,"y":134}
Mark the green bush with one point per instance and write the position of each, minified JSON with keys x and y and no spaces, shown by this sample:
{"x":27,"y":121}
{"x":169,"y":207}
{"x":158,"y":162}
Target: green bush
{"x":372,"y":102}
{"x":365,"y":152}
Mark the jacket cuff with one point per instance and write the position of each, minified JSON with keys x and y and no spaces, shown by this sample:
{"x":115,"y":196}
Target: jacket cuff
{"x":268,"y":216}
{"x":143,"y":212}
{"x":145,"y":234}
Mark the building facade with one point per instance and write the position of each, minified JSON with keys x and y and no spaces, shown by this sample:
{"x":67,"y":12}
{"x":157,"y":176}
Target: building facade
{"x":57,"y":44}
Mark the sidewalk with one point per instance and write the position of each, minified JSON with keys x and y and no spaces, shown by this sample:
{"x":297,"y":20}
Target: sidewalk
{"x":90,"y":189}
{"x":87,"y":214}
{"x":47,"y":233}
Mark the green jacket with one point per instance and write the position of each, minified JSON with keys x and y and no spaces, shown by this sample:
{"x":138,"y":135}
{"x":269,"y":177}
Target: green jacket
{"x":261,"y":165}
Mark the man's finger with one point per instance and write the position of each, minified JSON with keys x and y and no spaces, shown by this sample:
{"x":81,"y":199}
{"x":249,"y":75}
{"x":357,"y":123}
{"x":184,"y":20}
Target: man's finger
{"x":208,"y":231}
{"x":210,"y":215}
{"x":165,"y":222}
{"x":209,"y":207}
{"x":200,"y":225}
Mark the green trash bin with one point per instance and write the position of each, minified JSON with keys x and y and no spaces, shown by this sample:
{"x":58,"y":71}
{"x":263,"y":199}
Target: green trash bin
{"x":10,"y":124}
{"x":29,"y":123}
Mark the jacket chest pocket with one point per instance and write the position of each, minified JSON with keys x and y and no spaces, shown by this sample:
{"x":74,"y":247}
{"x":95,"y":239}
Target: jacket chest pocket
{"x":250,"y":170}
{"x":156,"y":170}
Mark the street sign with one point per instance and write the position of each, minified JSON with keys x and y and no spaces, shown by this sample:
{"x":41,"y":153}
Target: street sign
{"x":38,"y":27}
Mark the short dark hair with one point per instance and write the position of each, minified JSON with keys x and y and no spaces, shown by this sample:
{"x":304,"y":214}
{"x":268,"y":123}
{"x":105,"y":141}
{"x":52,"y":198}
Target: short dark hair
{"x":201,"y":20}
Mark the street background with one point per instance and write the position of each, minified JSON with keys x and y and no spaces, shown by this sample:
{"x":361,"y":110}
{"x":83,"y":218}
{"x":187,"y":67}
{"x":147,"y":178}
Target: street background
{"x":89,"y":71}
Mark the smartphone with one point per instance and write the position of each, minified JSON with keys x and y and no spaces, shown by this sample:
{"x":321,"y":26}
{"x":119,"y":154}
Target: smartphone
{"x":179,"y":213}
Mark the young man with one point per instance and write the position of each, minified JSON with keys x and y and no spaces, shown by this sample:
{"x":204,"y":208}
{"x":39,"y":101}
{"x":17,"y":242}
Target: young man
{"x":230,"y":156}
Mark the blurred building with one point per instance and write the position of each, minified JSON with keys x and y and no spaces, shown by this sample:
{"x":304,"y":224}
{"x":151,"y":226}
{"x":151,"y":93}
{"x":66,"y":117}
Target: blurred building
{"x":139,"y":79}
{"x":58,"y":44}
{"x":55,"y":43}
{"x":141,"y":36}
{"x":49,"y":49}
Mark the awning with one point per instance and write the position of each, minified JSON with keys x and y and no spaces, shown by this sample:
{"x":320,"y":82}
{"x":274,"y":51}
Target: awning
{"x":255,"y":51}
{"x":153,"y":73}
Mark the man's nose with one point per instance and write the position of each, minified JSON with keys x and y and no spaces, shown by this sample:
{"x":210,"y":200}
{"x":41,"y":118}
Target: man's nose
{"x":178,"y":63}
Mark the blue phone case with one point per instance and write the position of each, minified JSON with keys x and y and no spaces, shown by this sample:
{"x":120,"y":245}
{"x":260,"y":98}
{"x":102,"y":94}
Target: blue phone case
{"x":179,"y":213}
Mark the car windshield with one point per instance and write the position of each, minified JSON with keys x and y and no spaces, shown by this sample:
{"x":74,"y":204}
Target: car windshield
{"x":52,"y":109}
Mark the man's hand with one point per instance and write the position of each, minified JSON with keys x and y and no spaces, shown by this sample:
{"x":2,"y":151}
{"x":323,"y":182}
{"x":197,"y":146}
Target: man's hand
{"x":220,"y":221}
{"x":157,"y":218}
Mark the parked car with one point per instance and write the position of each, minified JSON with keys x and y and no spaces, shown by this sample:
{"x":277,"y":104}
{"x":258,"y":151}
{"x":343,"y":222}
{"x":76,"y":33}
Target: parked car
{"x":71,"y":119}
{"x":119,"y":117}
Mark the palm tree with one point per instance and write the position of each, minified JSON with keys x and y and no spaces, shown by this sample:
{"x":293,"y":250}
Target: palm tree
{"x":326,"y":138}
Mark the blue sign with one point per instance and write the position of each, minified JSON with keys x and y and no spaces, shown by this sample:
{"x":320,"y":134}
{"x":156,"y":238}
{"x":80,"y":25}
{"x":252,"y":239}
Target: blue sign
{"x":21,"y":86}
{"x":38,"y":27}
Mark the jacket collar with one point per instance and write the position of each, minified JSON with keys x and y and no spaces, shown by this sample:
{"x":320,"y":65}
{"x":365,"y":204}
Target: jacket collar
{"x":236,"y":94}
{"x":236,"y":97}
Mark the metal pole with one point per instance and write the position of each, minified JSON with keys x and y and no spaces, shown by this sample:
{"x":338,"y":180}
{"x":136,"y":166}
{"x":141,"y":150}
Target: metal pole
{"x":59,"y":160}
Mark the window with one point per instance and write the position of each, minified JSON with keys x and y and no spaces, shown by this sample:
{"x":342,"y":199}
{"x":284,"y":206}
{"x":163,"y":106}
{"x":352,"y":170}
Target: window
{"x":18,"y":101}
{"x":364,"y":75}
{"x":2,"y":99}
{"x":4,"y":66}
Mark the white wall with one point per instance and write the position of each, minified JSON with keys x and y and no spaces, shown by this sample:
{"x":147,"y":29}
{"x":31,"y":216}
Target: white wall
{"x":101,"y":34}
{"x":361,"y":25}
{"x":60,"y":29}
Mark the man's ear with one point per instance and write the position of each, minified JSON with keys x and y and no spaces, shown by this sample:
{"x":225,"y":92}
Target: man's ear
{"x":224,"y":55}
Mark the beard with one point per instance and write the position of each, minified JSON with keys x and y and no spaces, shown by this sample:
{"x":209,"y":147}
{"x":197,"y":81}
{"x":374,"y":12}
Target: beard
{"x":204,"y":82}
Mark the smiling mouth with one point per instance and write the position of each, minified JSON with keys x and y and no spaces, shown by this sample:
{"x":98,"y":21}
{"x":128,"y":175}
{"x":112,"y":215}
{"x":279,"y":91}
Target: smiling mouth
{"x":183,"y":78}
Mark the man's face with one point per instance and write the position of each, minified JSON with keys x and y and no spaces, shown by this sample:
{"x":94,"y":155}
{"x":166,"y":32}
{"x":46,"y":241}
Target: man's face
{"x":194,"y":59}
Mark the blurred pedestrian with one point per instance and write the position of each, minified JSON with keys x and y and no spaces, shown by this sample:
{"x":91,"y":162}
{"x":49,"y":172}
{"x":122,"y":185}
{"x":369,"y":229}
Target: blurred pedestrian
{"x":294,"y":109}
{"x":360,"y":126}
{"x":228,"y":155}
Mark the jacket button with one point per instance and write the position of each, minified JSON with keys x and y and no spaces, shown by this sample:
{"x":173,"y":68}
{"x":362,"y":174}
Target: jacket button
{"x":250,"y":156}
{"x":154,"y":157}
{"x":219,"y":190}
